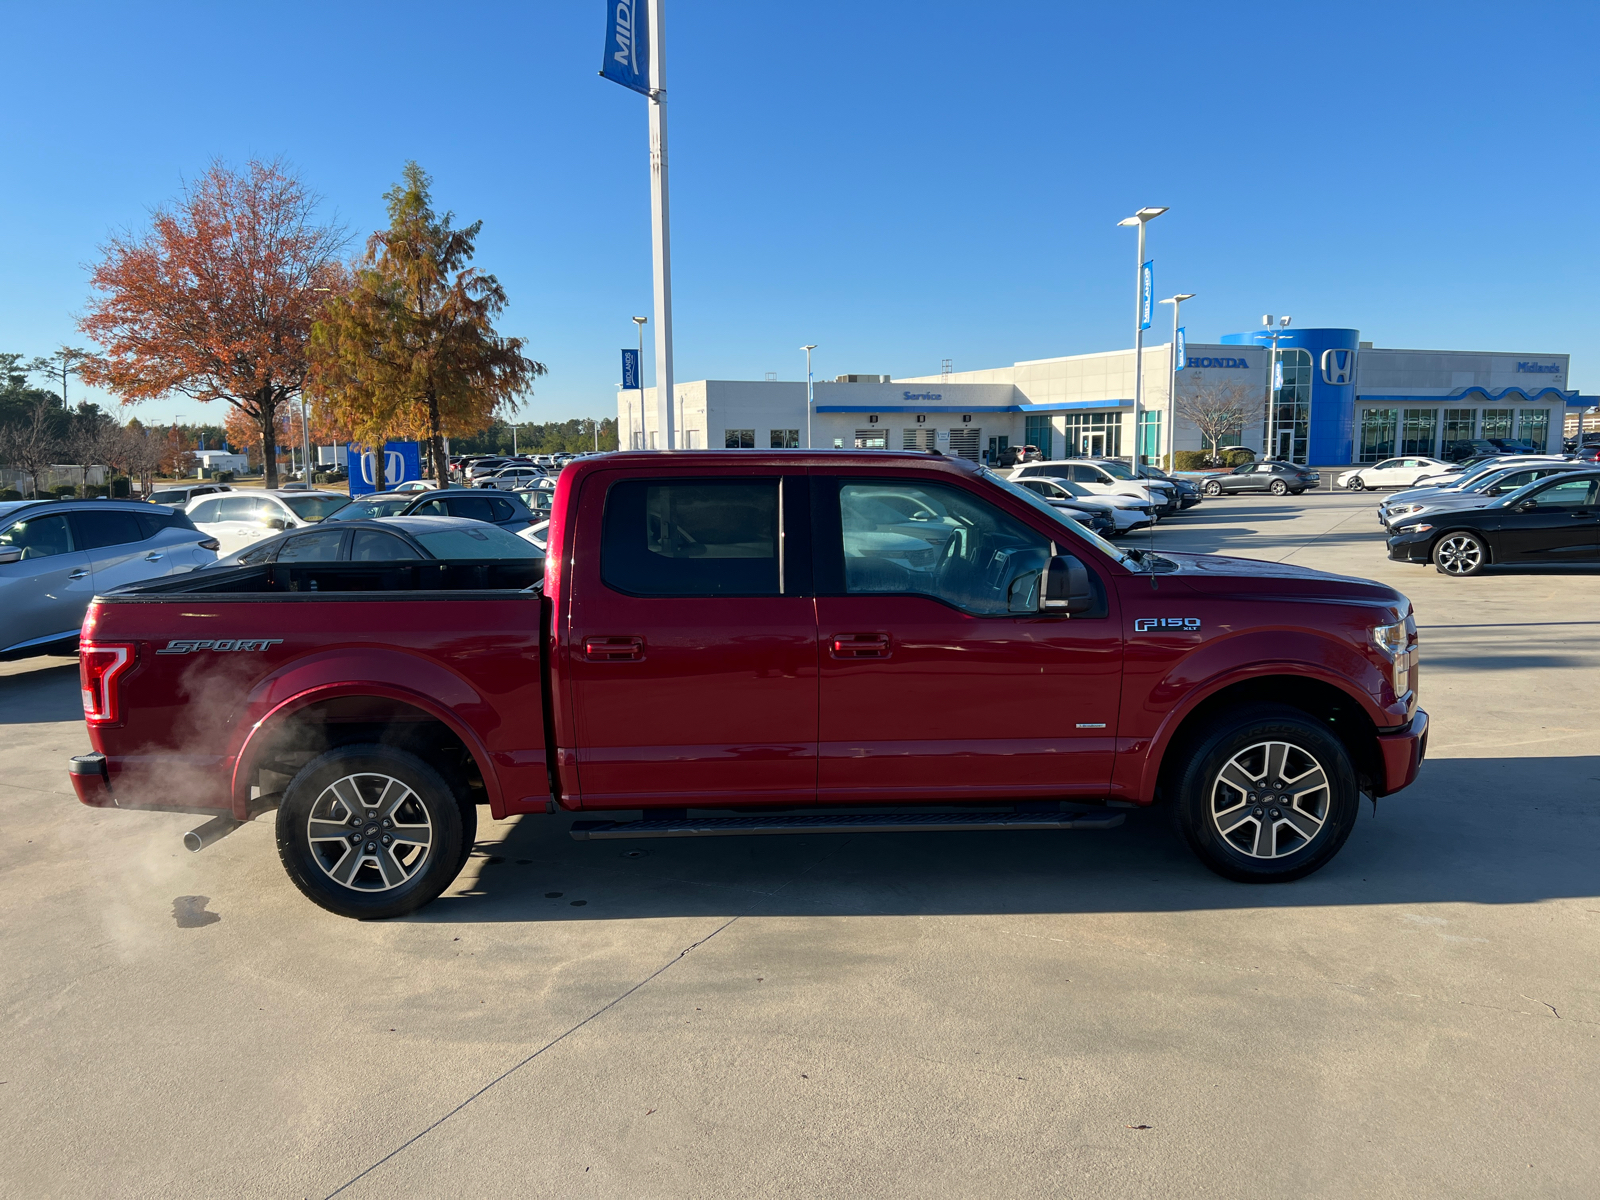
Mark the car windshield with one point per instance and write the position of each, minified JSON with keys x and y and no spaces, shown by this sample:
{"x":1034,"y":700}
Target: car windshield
{"x":169,"y":497}
{"x":477,"y":543}
{"x":1118,"y":470}
{"x":315,"y":506}
{"x":1038,"y":503}
{"x":367,"y":507}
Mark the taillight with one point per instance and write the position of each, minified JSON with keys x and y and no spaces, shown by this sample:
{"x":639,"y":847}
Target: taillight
{"x":100,"y":666}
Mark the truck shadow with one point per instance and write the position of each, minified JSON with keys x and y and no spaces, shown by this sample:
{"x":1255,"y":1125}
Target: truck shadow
{"x":47,"y":693}
{"x":1486,"y":831}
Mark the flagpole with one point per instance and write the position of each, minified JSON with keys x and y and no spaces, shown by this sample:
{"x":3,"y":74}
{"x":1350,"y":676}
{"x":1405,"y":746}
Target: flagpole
{"x":660,"y":250}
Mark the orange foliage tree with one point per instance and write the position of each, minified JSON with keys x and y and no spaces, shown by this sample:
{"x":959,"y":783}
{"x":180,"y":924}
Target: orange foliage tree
{"x":216,"y":301}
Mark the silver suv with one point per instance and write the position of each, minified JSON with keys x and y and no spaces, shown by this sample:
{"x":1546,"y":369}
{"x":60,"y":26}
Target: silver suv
{"x":55,"y":555}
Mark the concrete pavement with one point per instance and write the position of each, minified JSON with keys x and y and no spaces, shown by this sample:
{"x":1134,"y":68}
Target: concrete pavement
{"x":942,"y":1014}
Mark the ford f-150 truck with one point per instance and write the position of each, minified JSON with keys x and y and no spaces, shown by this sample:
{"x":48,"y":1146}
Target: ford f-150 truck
{"x":789,"y":637}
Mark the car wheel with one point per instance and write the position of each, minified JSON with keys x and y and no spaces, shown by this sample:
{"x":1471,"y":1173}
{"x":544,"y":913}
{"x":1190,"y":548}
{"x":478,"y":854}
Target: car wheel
{"x":371,"y":831}
{"x":1266,"y":795}
{"x":1297,"y":491}
{"x":1279,"y":488}
{"x":1356,"y":485}
{"x":1212,"y":488}
{"x":1460,"y":554}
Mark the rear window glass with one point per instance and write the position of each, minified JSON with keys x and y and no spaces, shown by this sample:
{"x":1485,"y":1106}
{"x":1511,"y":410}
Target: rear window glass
{"x":314,"y":507}
{"x":169,"y":497}
{"x":388,"y":506}
{"x":692,"y":538}
{"x":477,"y":543}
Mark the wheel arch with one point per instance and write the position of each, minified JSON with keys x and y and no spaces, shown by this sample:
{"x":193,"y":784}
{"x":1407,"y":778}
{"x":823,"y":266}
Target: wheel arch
{"x":1488,"y":542}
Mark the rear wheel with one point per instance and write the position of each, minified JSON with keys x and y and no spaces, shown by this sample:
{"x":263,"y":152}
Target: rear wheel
{"x":1356,"y":485}
{"x":1460,"y":554}
{"x":1267,"y":795}
{"x":1279,"y":487}
{"x":371,"y":831}
{"x":1212,"y":488}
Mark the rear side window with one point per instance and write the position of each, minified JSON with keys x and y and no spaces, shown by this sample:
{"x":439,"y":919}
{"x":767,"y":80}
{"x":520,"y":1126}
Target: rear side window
{"x":474,"y":508}
{"x":369,"y":545}
{"x":503,"y":510}
{"x":430,"y":508}
{"x":322,"y":546}
{"x":691,"y":538}
{"x":92,"y":530}
{"x":235,"y":508}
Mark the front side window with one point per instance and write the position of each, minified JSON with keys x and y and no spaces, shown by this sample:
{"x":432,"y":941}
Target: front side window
{"x":938,"y":541}
{"x":1572,"y":493}
{"x":239,"y":508}
{"x":322,"y":546}
{"x":38,"y":537}
{"x":692,"y":538}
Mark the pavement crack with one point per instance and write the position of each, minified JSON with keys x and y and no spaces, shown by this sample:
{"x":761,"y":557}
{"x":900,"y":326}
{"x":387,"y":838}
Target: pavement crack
{"x":1546,"y":1003}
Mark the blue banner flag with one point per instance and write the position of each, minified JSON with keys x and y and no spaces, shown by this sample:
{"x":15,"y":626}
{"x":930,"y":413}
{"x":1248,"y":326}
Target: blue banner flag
{"x":627,"y":59}
{"x":402,"y":462}
{"x":1147,"y":293}
{"x":1182,"y":351}
{"x":1277,"y":375}
{"x":630,"y":371}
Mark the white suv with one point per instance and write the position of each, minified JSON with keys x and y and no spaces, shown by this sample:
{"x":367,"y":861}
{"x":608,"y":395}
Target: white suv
{"x":1105,"y":477}
{"x":236,"y":519}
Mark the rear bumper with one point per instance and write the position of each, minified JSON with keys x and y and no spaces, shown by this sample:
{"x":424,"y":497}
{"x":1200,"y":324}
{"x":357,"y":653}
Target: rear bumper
{"x":1402,"y":754}
{"x":88,"y":775}
{"x":91,"y":781}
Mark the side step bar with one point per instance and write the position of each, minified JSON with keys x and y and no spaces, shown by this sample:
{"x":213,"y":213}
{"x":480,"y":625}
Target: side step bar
{"x":585,"y":831}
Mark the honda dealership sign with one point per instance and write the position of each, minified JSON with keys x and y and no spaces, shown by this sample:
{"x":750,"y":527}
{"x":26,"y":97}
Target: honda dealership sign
{"x":402,"y":462}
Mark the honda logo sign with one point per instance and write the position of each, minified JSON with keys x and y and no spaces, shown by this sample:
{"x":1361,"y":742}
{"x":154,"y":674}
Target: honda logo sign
{"x":1338,"y":367}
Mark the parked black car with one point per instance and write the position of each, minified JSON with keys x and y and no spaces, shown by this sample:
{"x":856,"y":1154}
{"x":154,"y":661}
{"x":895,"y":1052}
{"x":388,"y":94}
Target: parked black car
{"x":1187,"y":493}
{"x":1279,"y":478}
{"x":1553,"y":520}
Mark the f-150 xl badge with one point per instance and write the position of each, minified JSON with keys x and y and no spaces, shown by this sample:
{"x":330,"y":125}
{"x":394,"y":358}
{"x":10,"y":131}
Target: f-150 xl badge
{"x":190,"y":645}
{"x":1146,"y":624}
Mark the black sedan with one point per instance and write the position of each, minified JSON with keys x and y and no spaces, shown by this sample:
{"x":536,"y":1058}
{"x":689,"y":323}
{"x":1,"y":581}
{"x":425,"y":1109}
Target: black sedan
{"x":508,"y":512}
{"x":1279,"y":478}
{"x":1553,"y":520}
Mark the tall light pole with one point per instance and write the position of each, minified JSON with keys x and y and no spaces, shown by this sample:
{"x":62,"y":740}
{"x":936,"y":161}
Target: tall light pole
{"x":808,"y":350}
{"x":1272,"y":385}
{"x":1172,"y":383}
{"x":660,"y":251}
{"x":640,"y":323}
{"x":1141,"y":219}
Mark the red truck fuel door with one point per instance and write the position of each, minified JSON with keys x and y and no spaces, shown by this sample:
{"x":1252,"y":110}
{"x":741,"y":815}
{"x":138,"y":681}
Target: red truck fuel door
{"x":692,"y":661}
{"x":930,"y":686}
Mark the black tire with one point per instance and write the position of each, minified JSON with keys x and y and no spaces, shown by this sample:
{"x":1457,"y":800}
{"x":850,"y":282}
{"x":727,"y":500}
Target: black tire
{"x":1296,"y":491}
{"x":1356,"y":485}
{"x":386,"y":879}
{"x":1279,"y":487}
{"x":1229,"y":841}
{"x":1211,"y":488}
{"x":1460,"y":554}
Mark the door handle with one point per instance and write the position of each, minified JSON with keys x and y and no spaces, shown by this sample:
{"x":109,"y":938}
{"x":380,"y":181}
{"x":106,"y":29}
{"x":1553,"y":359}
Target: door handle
{"x":154,"y":556}
{"x":613,"y":649}
{"x":80,"y":573}
{"x":860,"y":645}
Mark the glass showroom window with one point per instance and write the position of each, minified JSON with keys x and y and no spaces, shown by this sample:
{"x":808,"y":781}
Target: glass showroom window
{"x":1377,"y":433}
{"x":785,"y":439}
{"x":1496,"y":423}
{"x":1150,"y":436}
{"x":1291,"y":425}
{"x":1417,"y":429}
{"x":1533,"y":425}
{"x":872,"y":439}
{"x":1094,"y":435}
{"x":1457,"y":433}
{"x":739,"y":439}
{"x":1039,"y":432}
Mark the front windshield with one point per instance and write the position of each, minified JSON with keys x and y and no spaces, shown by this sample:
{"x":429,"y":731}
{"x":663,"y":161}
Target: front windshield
{"x":1061,"y":518}
{"x":315,"y":506}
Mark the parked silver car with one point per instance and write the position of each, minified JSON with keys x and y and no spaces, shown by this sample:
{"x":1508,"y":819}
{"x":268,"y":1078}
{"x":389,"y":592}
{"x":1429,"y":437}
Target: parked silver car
{"x":55,"y":555}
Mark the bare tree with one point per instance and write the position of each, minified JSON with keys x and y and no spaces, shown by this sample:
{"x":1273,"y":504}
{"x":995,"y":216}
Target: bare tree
{"x":32,"y":443}
{"x":140,"y":453}
{"x":1216,"y":410}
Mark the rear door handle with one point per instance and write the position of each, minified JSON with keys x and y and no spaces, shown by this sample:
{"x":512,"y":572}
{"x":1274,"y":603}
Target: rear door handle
{"x":80,"y":573}
{"x":860,"y":645}
{"x":613,"y":649}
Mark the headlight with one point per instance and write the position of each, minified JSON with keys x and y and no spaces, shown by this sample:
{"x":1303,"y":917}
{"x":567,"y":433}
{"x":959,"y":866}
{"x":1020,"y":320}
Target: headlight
{"x":1420,"y":527}
{"x":1391,"y":639}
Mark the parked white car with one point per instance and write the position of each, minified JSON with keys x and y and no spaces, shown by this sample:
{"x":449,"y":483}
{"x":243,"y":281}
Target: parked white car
{"x":1104,"y":477}
{"x":236,"y":519}
{"x":511,"y":479}
{"x":1129,"y":512}
{"x":1391,"y":472}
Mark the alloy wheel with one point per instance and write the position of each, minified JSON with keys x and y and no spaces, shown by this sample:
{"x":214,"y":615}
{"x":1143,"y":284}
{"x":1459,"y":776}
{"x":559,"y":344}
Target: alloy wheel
{"x":1270,"y":800}
{"x":1279,"y":487}
{"x":369,"y":832}
{"x":1459,"y":554}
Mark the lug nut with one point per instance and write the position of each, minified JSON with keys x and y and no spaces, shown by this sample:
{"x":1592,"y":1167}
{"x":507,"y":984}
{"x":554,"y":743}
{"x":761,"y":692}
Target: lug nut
{"x":370,"y":847}
{"x":386,"y":839}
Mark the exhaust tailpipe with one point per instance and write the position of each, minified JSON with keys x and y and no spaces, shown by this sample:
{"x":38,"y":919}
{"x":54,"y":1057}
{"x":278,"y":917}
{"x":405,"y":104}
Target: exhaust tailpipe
{"x":213,"y":830}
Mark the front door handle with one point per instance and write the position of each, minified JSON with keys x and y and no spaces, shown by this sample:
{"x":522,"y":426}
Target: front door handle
{"x":860,"y":645}
{"x":80,"y":573}
{"x":154,"y":556}
{"x":613,"y":649}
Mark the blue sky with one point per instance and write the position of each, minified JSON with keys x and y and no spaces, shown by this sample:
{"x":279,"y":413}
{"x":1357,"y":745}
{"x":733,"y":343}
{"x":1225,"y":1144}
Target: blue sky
{"x":897,"y":183}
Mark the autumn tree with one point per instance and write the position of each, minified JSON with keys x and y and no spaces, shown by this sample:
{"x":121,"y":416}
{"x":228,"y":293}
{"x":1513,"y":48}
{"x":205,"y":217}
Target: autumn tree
{"x":217,"y":299}
{"x":410,"y":345}
{"x":1217,"y":410}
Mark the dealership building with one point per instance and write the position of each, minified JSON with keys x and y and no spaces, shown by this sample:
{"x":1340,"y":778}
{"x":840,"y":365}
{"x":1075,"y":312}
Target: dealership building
{"x":1329,"y":399}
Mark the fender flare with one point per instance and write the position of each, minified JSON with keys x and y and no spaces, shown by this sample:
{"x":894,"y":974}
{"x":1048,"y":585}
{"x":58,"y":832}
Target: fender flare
{"x":1161,"y":741}
{"x":245,"y":759}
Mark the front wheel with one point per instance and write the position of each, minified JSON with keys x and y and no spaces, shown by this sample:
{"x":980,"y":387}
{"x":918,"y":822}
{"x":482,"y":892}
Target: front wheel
{"x":1212,"y":488}
{"x":1267,"y":795}
{"x":1460,"y":554}
{"x":1356,"y":485}
{"x":1279,"y":488}
{"x":371,"y":831}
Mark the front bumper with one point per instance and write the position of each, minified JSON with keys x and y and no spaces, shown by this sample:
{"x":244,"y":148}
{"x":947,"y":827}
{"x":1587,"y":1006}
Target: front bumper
{"x":1402,"y":753}
{"x":1411,"y":547}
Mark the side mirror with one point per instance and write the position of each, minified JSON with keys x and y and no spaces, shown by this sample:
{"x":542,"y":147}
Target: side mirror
{"x":1527,"y":506}
{"x":1067,"y":588}
{"x":275,"y":523}
{"x":10,"y":554}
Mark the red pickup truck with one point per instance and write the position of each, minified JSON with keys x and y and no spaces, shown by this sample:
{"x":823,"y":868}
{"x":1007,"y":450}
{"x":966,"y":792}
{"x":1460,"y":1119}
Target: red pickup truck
{"x":788,"y":637}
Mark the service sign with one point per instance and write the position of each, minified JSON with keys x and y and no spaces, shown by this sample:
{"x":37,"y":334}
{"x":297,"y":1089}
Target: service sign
{"x":402,"y":462}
